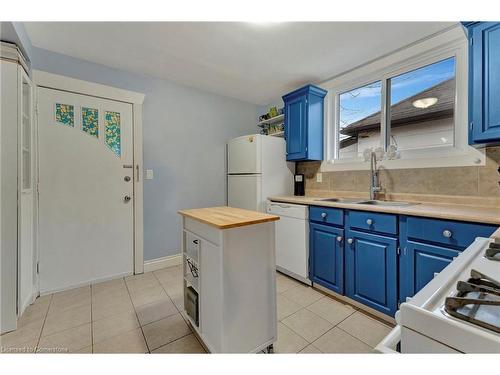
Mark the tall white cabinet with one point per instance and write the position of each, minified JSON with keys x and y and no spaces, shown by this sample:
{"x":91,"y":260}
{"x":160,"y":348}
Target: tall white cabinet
{"x":17,"y":196}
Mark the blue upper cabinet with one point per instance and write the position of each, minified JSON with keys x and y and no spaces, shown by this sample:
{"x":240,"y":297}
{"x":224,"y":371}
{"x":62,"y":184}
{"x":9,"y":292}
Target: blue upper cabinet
{"x":484,"y":82}
{"x":304,"y":123}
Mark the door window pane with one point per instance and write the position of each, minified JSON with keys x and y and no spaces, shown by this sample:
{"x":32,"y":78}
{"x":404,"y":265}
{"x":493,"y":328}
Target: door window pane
{"x":65,"y":114}
{"x":112,"y":129}
{"x":90,"y":121}
{"x":359,"y":120}
{"x":422,"y":107}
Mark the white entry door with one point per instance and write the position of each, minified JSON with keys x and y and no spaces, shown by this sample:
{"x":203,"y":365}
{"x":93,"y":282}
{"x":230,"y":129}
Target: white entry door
{"x":86,"y":189}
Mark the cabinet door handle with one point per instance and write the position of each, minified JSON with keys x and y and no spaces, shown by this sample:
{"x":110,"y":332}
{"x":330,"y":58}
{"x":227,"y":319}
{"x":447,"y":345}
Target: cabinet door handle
{"x":350,"y":241}
{"x":323,"y":215}
{"x":369,"y":221}
{"x":196,"y":242}
{"x":339,"y":239}
{"x":447,"y":233}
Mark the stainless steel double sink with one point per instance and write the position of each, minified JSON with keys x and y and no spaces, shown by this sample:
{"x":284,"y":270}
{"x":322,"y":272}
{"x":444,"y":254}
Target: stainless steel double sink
{"x":367,"y":202}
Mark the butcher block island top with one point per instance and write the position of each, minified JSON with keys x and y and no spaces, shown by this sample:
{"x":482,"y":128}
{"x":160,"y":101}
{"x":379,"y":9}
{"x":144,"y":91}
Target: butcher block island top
{"x":225,"y":217}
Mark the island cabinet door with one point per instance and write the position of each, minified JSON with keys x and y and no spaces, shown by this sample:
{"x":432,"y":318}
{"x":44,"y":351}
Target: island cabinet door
{"x":327,"y":256}
{"x":371,"y":270}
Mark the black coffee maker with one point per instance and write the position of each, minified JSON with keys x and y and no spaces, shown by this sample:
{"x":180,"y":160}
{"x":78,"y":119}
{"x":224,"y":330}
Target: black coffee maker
{"x":299,"y":185}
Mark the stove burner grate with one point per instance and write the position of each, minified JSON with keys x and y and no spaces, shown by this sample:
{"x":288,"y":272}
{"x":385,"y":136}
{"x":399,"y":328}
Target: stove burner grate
{"x":477,"y":301}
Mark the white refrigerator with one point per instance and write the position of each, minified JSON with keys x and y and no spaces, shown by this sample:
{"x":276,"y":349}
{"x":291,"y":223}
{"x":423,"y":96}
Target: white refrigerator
{"x":257,"y":169}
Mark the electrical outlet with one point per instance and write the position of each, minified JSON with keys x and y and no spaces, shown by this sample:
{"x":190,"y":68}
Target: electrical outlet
{"x":319,"y":177}
{"x":149,"y":174}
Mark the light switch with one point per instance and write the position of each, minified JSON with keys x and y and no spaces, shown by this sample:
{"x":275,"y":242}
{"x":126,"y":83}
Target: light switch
{"x":319,"y":177}
{"x":149,"y":174}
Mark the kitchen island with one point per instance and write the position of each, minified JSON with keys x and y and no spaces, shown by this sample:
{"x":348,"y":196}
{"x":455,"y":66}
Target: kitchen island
{"x":229,"y":278}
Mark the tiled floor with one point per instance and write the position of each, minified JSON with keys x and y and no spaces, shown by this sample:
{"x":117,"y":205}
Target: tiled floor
{"x":136,"y":314}
{"x":311,"y":322}
{"x":141,"y":314}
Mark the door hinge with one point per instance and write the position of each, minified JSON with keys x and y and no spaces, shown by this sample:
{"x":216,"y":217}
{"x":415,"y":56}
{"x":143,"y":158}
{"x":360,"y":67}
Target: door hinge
{"x":398,"y":250}
{"x":36,"y":108}
{"x":471,"y":126}
{"x":38,"y":268}
{"x":471,"y":40}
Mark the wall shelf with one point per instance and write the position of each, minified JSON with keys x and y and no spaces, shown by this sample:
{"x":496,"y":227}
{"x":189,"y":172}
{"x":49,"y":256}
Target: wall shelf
{"x":272,"y":120}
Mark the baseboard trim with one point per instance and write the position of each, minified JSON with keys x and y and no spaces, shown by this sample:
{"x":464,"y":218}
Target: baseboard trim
{"x":156,"y":264}
{"x":365,"y":308}
{"x":85,"y":283}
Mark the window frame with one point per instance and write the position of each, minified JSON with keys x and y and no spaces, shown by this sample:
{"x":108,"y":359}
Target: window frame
{"x":451,"y":43}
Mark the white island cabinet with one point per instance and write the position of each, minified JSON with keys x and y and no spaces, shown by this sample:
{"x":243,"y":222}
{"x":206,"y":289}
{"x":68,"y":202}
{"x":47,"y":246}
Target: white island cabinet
{"x":229,"y":278}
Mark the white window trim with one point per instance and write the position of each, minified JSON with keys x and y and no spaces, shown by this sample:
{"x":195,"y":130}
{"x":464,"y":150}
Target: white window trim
{"x":451,"y":43}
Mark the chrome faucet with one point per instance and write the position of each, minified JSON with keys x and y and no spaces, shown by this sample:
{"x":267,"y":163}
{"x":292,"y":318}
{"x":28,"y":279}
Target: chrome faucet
{"x":374,"y":180}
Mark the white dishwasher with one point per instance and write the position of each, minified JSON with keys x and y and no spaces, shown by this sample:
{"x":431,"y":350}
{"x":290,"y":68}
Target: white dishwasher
{"x":292,"y":239}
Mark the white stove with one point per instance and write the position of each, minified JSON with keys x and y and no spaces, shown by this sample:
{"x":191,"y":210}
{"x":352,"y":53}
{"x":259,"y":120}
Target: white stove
{"x":425,"y":325}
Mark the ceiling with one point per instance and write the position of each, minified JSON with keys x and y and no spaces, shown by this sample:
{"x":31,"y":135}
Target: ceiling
{"x":253,"y":62}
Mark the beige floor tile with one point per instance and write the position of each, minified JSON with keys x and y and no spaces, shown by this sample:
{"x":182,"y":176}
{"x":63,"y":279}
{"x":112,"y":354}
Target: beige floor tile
{"x":105,"y":293}
{"x":365,"y":328}
{"x":114,"y":325}
{"x":338,"y":341}
{"x":68,"y":341}
{"x":57,"y":321}
{"x":112,"y":306}
{"x":86,"y":350}
{"x":155,"y":311}
{"x":69,"y":303}
{"x":33,"y":313}
{"x":141,"y":281}
{"x":303,"y":295}
{"x":148,"y":295}
{"x":109,"y":285}
{"x":167,"y":275}
{"x":128,"y":342}
{"x":288,"y":341}
{"x":172,"y":287}
{"x":165,"y":331}
{"x":185,"y":345}
{"x":283,"y":283}
{"x":286,"y":307}
{"x":310,"y":349}
{"x":178,"y":300}
{"x":70,"y":298}
{"x":331,"y":310}
{"x":307,"y":324}
{"x":21,"y":336}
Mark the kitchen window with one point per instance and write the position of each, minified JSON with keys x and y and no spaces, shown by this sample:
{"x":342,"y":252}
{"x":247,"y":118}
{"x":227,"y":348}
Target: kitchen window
{"x":411,"y":107}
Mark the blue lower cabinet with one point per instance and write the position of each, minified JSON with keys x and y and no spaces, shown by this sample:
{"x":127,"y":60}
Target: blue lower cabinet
{"x":418,"y":264}
{"x":327,"y":256}
{"x":371,"y":270}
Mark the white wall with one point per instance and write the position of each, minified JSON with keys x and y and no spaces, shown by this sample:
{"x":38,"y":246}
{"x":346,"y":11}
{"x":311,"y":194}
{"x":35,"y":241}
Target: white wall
{"x":185,"y":131}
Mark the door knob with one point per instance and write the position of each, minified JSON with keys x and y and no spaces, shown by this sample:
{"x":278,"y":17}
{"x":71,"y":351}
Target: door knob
{"x":350,"y":241}
{"x":323,"y":215}
{"x":127,"y":178}
{"x":369,"y":221}
{"x":127,"y":198}
{"x":339,"y":239}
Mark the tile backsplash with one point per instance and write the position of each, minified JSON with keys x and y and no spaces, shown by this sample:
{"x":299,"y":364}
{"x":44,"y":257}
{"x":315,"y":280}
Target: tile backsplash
{"x":480,"y":181}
